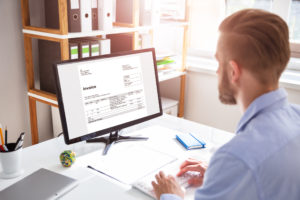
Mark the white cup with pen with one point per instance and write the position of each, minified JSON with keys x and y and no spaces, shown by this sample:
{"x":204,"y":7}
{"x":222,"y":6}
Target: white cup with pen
{"x":11,"y":157}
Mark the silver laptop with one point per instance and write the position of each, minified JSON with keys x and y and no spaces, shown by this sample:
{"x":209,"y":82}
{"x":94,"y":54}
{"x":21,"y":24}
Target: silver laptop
{"x":42,"y":184}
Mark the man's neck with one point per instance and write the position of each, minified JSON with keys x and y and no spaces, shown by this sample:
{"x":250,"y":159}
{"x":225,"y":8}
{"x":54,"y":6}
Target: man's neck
{"x":248,"y":94}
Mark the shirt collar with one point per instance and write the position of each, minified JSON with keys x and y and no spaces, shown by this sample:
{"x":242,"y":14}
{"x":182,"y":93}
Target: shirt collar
{"x":259,"y":104}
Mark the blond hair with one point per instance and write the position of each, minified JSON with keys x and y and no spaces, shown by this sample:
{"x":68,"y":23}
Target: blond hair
{"x":259,"y":41}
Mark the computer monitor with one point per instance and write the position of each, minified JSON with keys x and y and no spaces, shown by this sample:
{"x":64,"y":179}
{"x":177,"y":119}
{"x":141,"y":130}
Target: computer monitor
{"x":104,"y":94}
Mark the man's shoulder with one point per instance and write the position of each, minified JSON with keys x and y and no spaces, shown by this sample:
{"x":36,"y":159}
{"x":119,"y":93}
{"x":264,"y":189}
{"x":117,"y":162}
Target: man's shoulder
{"x":241,"y":147}
{"x":295,"y":108}
{"x":281,"y":122}
{"x":265,"y":135}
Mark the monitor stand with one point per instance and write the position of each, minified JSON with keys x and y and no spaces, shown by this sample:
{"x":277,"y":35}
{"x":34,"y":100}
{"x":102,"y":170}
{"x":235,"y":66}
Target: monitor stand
{"x":114,"y":137}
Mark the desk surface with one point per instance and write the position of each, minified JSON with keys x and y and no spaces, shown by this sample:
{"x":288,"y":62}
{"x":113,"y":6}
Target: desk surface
{"x":95,"y":185}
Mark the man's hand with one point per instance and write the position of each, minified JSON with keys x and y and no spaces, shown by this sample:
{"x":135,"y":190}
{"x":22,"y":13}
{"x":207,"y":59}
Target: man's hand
{"x":166,"y":184}
{"x":193,"y":165}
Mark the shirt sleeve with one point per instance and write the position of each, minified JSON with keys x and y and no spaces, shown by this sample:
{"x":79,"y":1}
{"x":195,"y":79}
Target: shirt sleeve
{"x":170,"y":197}
{"x":227,"y":178}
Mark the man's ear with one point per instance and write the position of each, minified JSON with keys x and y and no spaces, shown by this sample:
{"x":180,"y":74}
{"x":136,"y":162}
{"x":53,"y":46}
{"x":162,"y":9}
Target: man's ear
{"x":235,"y":72}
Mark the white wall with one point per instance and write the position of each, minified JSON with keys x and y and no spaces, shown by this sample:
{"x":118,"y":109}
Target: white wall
{"x":202,"y":103}
{"x":13,"y":101}
{"x":14,"y":110}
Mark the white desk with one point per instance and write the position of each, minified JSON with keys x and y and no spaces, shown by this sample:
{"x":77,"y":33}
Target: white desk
{"x":97,"y":186}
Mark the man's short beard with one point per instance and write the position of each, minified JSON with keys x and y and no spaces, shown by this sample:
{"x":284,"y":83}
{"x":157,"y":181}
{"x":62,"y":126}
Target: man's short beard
{"x":227,"y":99}
{"x":226,"y":93}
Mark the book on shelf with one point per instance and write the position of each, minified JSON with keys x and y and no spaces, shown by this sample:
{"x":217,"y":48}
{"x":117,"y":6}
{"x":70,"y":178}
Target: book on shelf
{"x":50,"y":53}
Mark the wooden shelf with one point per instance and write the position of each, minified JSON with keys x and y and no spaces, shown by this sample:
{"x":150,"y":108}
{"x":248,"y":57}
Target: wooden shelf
{"x":50,"y":99}
{"x":44,"y":97}
{"x":115,"y":30}
{"x":173,"y":23}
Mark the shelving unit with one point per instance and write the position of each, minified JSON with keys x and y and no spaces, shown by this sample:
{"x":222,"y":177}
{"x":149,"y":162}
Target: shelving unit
{"x":115,"y":30}
{"x":185,"y":23}
{"x":62,"y":37}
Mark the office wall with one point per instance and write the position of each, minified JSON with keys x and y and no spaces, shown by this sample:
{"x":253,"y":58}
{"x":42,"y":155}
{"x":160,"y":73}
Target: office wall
{"x":14,"y":111}
{"x":202,"y":103}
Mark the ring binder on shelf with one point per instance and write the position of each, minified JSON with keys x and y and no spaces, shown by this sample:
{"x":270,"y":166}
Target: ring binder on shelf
{"x":98,"y":46}
{"x":86,"y":15}
{"x":149,"y":12}
{"x":73,"y":50}
{"x":105,"y":9}
{"x":94,"y":47}
{"x":95,"y":15}
{"x":74,"y":18}
{"x":49,"y":53}
{"x":84,"y":49}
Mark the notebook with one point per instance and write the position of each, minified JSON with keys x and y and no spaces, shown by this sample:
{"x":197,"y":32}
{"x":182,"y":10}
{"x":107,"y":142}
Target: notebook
{"x":189,"y":141}
{"x":41,"y":184}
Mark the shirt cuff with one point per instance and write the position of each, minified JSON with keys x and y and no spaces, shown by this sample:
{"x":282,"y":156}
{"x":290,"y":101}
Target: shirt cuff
{"x":170,"y":197}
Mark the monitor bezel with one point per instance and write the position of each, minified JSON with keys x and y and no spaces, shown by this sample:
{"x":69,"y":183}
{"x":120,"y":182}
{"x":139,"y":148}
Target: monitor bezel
{"x":111,"y":129}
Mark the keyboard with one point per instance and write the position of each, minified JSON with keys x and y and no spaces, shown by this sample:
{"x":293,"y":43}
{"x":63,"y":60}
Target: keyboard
{"x":144,"y":184}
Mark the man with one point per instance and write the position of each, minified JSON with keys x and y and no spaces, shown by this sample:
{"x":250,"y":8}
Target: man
{"x":262,"y":161}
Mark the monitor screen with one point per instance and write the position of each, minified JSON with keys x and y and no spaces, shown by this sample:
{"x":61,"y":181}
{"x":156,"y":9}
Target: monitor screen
{"x":102,"y":94}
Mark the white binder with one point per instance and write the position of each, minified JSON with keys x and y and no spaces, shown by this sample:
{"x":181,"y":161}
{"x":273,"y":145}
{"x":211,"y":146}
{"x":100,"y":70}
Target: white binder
{"x":146,"y":40}
{"x":105,"y":9}
{"x":86,"y":15}
{"x":114,"y":10}
{"x":155,"y":18}
{"x":149,"y":12}
{"x":104,"y":46}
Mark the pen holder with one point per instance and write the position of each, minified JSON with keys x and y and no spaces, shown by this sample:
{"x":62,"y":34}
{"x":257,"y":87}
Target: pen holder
{"x":11,"y":162}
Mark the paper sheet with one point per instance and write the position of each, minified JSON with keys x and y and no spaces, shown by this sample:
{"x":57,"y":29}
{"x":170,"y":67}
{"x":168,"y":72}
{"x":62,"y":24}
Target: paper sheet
{"x":129,"y":164}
